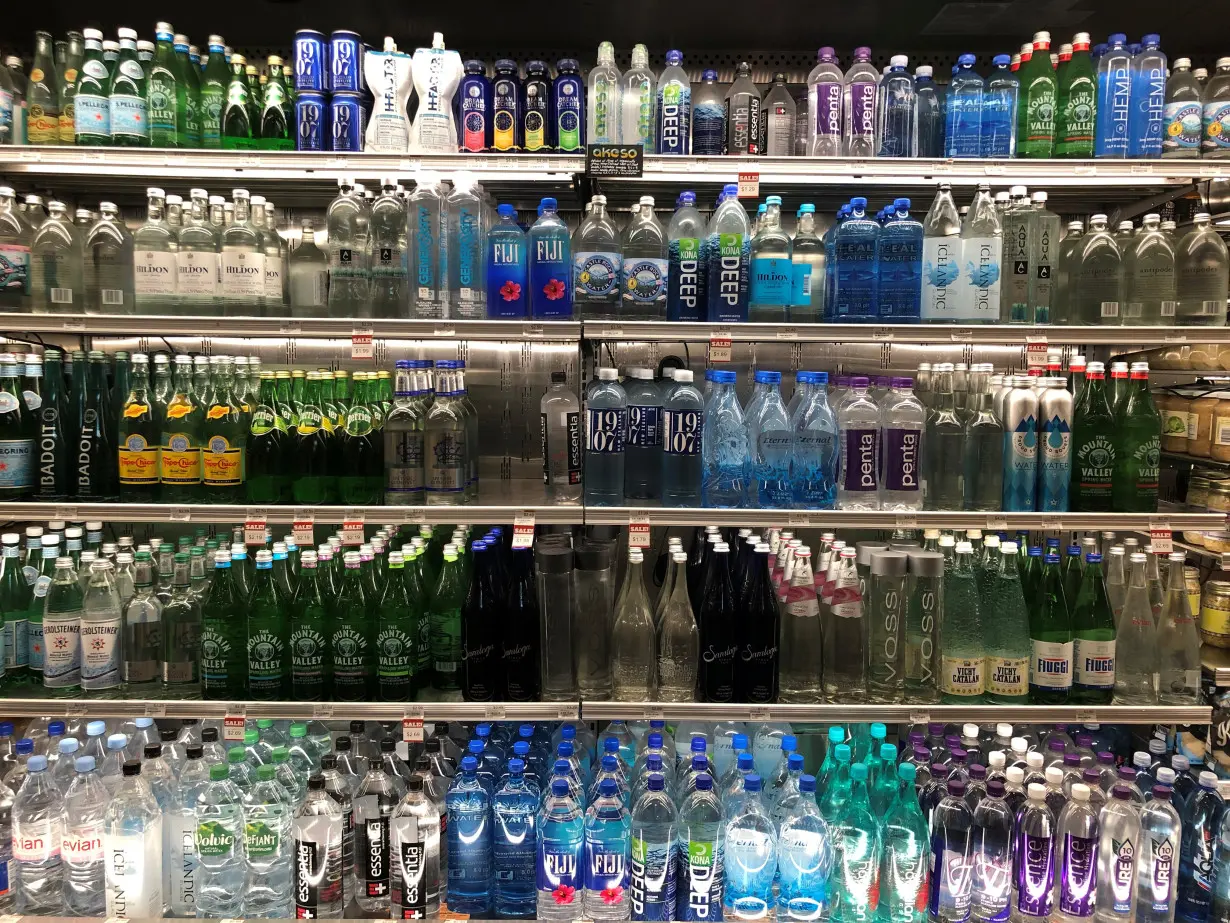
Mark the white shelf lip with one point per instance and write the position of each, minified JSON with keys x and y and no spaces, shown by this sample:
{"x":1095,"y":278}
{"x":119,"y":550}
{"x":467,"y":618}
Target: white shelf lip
{"x":876,"y":519}
{"x":343,"y":327}
{"x":912,"y":713}
{"x":562,"y":514}
{"x":328,"y":166}
{"x":372,"y":711}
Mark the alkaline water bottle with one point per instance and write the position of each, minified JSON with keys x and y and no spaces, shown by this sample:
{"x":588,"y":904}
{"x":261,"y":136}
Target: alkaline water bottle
{"x":770,"y":440}
{"x":861,"y":91}
{"x":683,"y":418}
{"x":1148,"y":87}
{"x":643,"y":453}
{"x":469,"y":841}
{"x":605,"y":435}
{"x":685,"y":296}
{"x":743,"y":114}
{"x":750,"y":856}
{"x":727,"y":460}
{"x":1118,"y":844}
{"x":673,"y":108}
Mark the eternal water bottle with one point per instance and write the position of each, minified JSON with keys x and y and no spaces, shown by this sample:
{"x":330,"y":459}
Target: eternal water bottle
{"x":550,"y":265}
{"x":726,"y":455}
{"x":942,"y":293}
{"x":1146,"y":118}
{"x":683,"y":418}
{"x":770,"y":439}
{"x":685,"y":299}
{"x":1114,"y":99}
{"x":750,"y":856}
{"x":605,"y":438}
{"x":813,"y":463}
{"x":965,"y":104}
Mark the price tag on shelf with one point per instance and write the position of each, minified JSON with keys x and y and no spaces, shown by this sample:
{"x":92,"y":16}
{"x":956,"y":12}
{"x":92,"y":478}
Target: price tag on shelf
{"x":907,"y":522}
{"x":1035,"y":354}
{"x":179,"y":514}
{"x":254,"y":527}
{"x":76,"y":709}
{"x":444,"y":332}
{"x":352,"y":527}
{"x":749,"y":185}
{"x":495,"y":711}
{"x":322,"y":711}
{"x":233,"y":726}
{"x":1086,"y":717}
{"x":303,"y":529}
{"x":920,"y":717}
{"x":155,"y":709}
{"x":654,"y":713}
{"x":523,"y":530}
{"x":719,"y":347}
{"x":962,"y":335}
{"x":67,"y":512}
{"x":882,"y":333}
{"x":797,"y":520}
{"x":567,"y":713}
{"x":760,"y":715}
{"x":996,"y":524}
{"x":1161,"y":538}
{"x":638,"y":529}
{"x":1052,"y":524}
{"x":412,"y":730}
{"x":361,"y":345}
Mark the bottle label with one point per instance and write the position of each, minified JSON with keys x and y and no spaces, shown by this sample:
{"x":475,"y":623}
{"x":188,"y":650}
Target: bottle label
{"x":273,"y":277}
{"x":1158,"y":892}
{"x":771,"y":280}
{"x":674,"y":111}
{"x":1035,"y":876}
{"x":645,"y":280}
{"x":681,"y":431}
{"x":941,"y":270}
{"x":180,"y":460}
{"x":1076,"y":877}
{"x":800,"y":284}
{"x":1123,"y":875}
{"x":863,"y":109}
{"x":1095,"y":461}
{"x":243,"y":275}
{"x":311,"y":878}
{"x":981,"y":256}
{"x":951,"y":881}
{"x":214,"y":839}
{"x":700,"y":883}
{"x":404,"y":473}
{"x":607,"y":430}
{"x":962,"y":676}
{"x":992,"y":885}
{"x":446,"y":470}
{"x":16,"y":464}
{"x":1216,"y":126}
{"x":727,"y":282}
{"x":559,"y":871}
{"x":1183,"y":125}
{"x":154,"y":274}
{"x":1008,"y":676}
{"x":92,"y":114}
{"x":216,"y":659}
{"x":351,"y":660}
{"x":261,"y":839}
{"x":504,"y":119}
{"x":568,"y":109}
{"x":16,"y":643}
{"x":1054,"y":465}
{"x":82,"y":845}
{"x":372,"y":843}
{"x":901,"y":459}
{"x":14,"y":268}
{"x":652,"y":880}
{"x":307,"y":647}
{"x":506,"y":281}
{"x":828,"y":109}
{"x":37,"y":841}
{"x":606,"y":873}
{"x":595,"y":274}
{"x":535,"y":121}
{"x":62,"y":658}
{"x":100,"y":653}
{"x":862,"y":452}
{"x":265,"y":656}
{"x":129,"y":118}
{"x":1020,"y":462}
{"x":396,"y":659}
{"x":410,"y":860}
{"x":138,"y":460}
{"x":708,"y":129}
{"x":36,"y":637}
{"x":644,"y":426}
{"x":196,"y":274}
{"x":1094,"y":662}
{"x":473,"y":118}
{"x":1051,"y":666}
{"x":1080,"y":112}
{"x":221,"y":462}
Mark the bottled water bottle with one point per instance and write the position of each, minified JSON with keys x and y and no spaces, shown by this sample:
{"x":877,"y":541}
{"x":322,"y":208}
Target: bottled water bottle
{"x":560,"y":853}
{"x":899,"y":259}
{"x":349,"y":271}
{"x":771,"y":439}
{"x":653,"y":870}
{"x":981,"y":251}
{"x":1201,"y":266}
{"x":469,"y":841}
{"x":999,"y":110}
{"x":180,"y":856}
{"x":38,"y":830}
{"x":607,"y":847}
{"x":1202,"y":822}
{"x":318,"y":873}
{"x":813,"y":463}
{"x":930,"y":113}
{"x":596,"y":264}
{"x":808,"y":269}
{"x":1146,"y":118}
{"x":685,"y":298}
{"x":266,"y":817}
{"x":858,"y":427}
{"x":1183,"y":112}
{"x":85,"y":804}
{"x":132,"y":843}
{"x":727,"y":259}
{"x":727,"y":460}
{"x":952,"y":866}
{"x":561,"y":434}
{"x":992,"y":855}
{"x":515,"y":835}
{"x":603,"y":109}
{"x":824,"y":105}
{"x":860,"y":94}
{"x":636,"y":92}
{"x":902,"y":422}
{"x":1157,"y":857}
{"x":855,"y":280}
{"x":465,"y":249}
{"x":605,"y":436}
{"x":898,"y":120}
{"x":708,"y":117}
{"x":643,"y":454}
{"x":965,"y":100}
{"x":1118,"y":844}
{"x":1114,"y":99}
{"x":749,"y":860}
{"x":426,"y":213}
{"x":804,"y":857}
{"x":1076,"y":858}
{"x":219,"y":842}
{"x":683,"y":418}
{"x":643,"y":271}
{"x":673,"y":108}
{"x":942,"y":300}
{"x":771,"y":271}
{"x":1035,"y":877}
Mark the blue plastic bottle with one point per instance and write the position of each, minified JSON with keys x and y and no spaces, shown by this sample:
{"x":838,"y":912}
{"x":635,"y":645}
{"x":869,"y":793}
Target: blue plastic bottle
{"x":727,"y":462}
{"x":1146,"y":121}
{"x":683,"y":420}
{"x":605,"y":437}
{"x":855,"y":282}
{"x":698,"y":896}
{"x":930,"y":113}
{"x":999,"y":105}
{"x":550,"y":265}
{"x":1114,"y":99}
{"x":1202,"y":830}
{"x":673,"y":108}
{"x":728,"y":259}
{"x":899,"y":255}
{"x":685,"y":293}
{"x":507,"y":267}
{"x":813,"y":465}
{"x":469,"y":842}
{"x":898,"y":124}
{"x":607,"y":853}
{"x":515,"y":834}
{"x":708,"y":118}
{"x":963,"y":132}
{"x":654,"y":867}
{"x":750,"y":856}
{"x":770,"y":439}
{"x":561,"y":844}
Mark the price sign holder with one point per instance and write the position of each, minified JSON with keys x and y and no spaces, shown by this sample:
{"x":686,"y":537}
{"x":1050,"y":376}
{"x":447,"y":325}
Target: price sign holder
{"x":749,"y":185}
{"x":623,"y":160}
{"x":1161,"y":538}
{"x":523,"y":530}
{"x":361,"y":346}
{"x":233,"y":724}
{"x":412,"y":730}
{"x":303,"y":529}
{"x":719,"y":347}
{"x":254,"y":527}
{"x":1035,"y":354}
{"x":638,"y":530}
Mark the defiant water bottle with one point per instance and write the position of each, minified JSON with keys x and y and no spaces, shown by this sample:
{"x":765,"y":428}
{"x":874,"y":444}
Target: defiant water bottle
{"x":898,"y":122}
{"x":605,"y":435}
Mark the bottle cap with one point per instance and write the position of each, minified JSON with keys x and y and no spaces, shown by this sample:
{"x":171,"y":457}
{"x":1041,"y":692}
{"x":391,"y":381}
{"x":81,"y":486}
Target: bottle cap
{"x":1054,"y":775}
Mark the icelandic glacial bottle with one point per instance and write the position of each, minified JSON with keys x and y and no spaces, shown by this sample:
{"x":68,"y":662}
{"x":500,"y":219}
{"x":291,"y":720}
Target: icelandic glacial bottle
{"x":942,"y":292}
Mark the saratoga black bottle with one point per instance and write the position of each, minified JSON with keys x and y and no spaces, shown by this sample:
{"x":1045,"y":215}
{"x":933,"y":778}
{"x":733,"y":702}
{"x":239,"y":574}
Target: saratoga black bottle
{"x":758,"y":628}
{"x":697,"y":557}
{"x":718,"y":638}
{"x":520,"y":641}
{"x":482,"y":616}
{"x":52,"y":474}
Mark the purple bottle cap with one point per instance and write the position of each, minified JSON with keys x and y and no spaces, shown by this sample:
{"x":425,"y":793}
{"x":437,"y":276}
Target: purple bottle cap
{"x":861,"y":381}
{"x":843,"y":381}
{"x":1084,"y":740}
{"x":1127,"y":773}
{"x":959,"y":756}
{"x":862,"y":53}
{"x":939,"y":771}
{"x":1161,"y":791}
{"x":921,"y":753}
{"x":978,"y":771}
{"x":1071,"y":759}
{"x":1091,"y":775}
{"x":1106,"y":758}
{"x":956,"y":787}
{"x":826,"y":55}
{"x":1057,"y":745}
{"x":1122,"y":792}
{"x":952,"y":740}
{"x":995,"y":788}
{"x":903,"y":381}
{"x":917,"y":737}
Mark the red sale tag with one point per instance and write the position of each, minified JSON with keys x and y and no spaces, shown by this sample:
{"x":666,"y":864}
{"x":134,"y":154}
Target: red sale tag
{"x":233,"y":727}
{"x":1035,"y":355}
{"x":361,"y":344}
{"x":352,"y":532}
{"x":719,"y":348}
{"x":254,"y":529}
{"x":302,"y":530}
{"x":749,"y":185}
{"x":523,"y":531}
{"x":638,"y":530}
{"x":412,"y":730}
{"x":1162,"y":539}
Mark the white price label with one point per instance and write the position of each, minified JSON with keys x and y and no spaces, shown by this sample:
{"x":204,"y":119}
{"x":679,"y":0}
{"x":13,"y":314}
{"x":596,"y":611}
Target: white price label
{"x":67,"y":512}
{"x":361,"y":346}
{"x":495,"y":711}
{"x":749,"y":185}
{"x":233,"y":727}
{"x":155,"y":709}
{"x":322,"y":711}
{"x":523,"y":530}
{"x":1161,"y":538}
{"x":760,"y":715}
{"x":179,"y":514}
{"x":254,"y":527}
{"x":638,"y":530}
{"x":996,"y":524}
{"x":719,"y":348}
{"x":303,"y":530}
{"x":352,"y":528}
{"x":412,"y":730}
{"x":964,"y":334}
{"x":920,"y":717}
{"x":655,"y":713}
{"x":907,"y":522}
{"x":882,"y":333}
{"x":1035,"y":354}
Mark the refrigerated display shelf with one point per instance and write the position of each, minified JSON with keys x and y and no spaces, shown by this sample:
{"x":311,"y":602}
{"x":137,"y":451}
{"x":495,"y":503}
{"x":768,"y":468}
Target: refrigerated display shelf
{"x":1196,"y":459}
{"x":370,"y":711}
{"x":1216,"y":664}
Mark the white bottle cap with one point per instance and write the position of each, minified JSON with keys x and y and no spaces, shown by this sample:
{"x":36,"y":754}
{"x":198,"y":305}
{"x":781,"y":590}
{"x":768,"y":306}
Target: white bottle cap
{"x":1182,"y":62}
{"x":1080,"y":792}
{"x":923,"y":70}
{"x":996,"y":759}
{"x":608,"y":374}
{"x":899,"y":60}
{"x":641,"y":374}
{"x":1034,"y":759}
{"x":1054,"y":775}
{"x":1003,"y":729}
{"x":683,"y":375}
{"x":1015,"y":774}
{"x":969,"y":730}
{"x":1037,"y":791}
{"x":1165,"y":775}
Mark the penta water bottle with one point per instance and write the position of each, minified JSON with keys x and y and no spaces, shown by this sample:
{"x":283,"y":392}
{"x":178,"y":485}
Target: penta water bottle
{"x":903,"y":420}
{"x":605,"y":435}
{"x":858,"y":428}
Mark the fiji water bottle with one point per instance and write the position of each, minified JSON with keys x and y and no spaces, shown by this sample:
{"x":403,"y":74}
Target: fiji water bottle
{"x":607,"y":847}
{"x":605,"y":434}
{"x":561,"y":844}
{"x":1146,"y":118}
{"x":550,"y":265}
{"x":507,"y":267}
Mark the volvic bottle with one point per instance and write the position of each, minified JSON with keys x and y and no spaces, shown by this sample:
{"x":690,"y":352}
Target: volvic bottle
{"x":685,"y":297}
{"x":727,"y":260}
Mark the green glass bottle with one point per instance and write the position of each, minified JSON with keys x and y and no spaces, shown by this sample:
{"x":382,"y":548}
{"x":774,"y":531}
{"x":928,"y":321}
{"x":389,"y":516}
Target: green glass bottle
{"x":164,"y":89}
{"x":237,"y":129}
{"x":1093,"y":639}
{"x":1050,"y":633}
{"x":129,"y":106}
{"x":69,"y":69}
{"x":268,"y":648}
{"x":1077,"y":102}
{"x":397,"y":637}
{"x":445,"y":617}
{"x":314,"y":436}
{"x":187,"y":116}
{"x":180,"y":439}
{"x":139,"y":438}
{"x":352,"y":641}
{"x":43,"y":94}
{"x":361,"y":475}
{"x":268,"y":478}
{"x":223,"y":635}
{"x":1094,"y":446}
{"x":283,"y":580}
{"x":298,"y":390}
{"x":1036,"y":112}
{"x":214,"y":82}
{"x":18,"y":431}
{"x":277,"y":113}
{"x":963,"y":679}
{"x":15,"y":597}
{"x":224,"y":441}
{"x":309,"y":665}
{"x":91,"y":110}
{"x":1138,"y":454}
{"x":416,"y":590}
{"x":1007,"y":634}
{"x":255,"y":84}
{"x":51,"y":420}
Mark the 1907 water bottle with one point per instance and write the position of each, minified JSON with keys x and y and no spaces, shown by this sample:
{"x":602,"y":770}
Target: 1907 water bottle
{"x":605,"y":434}
{"x":643,"y":453}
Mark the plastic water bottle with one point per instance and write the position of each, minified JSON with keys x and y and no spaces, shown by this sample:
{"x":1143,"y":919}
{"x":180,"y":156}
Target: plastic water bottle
{"x":267,"y":816}
{"x":673,"y":108}
{"x":726,"y":455}
{"x":861,"y":86}
{"x":1118,"y":847}
{"x":428,"y":290}
{"x":1157,"y":857}
{"x":219,"y":840}
{"x":560,"y":848}
{"x":698,"y":893}
{"x":643,"y":272}
{"x":38,"y":829}
{"x":930,"y":113}
{"x":1035,"y":837}
{"x":469,"y":841}
{"x":1114,"y":99}
{"x":981,"y":253}
{"x":749,"y":856}
{"x":685,"y":297}
{"x":1146,"y":120}
{"x":1183,"y":112}
{"x":643,"y":452}
{"x":992,"y":855}
{"x":899,"y":258}
{"x":942,"y":300}
{"x":966,"y":104}
{"x":727,"y":259}
{"x":999,"y":109}
{"x":507,"y":267}
{"x":607,"y":848}
{"x":813,"y":463}
{"x":605,"y":437}
{"x":771,"y":439}
{"x":515,"y":836}
{"x":653,"y":865}
{"x":824,"y":105}
{"x":596,"y":264}
{"x":85,"y":804}
{"x":902,"y":422}
{"x":316,"y":862}
{"x":804,"y":857}
{"x":603,"y":108}
{"x":132,"y":845}
{"x":1076,"y":856}
{"x":636,"y":95}
{"x":683,"y":419}
{"x":708,"y":117}
{"x":550,"y":264}
{"x":898,"y":121}
{"x":858,"y":427}
{"x":952,"y":867}
{"x":855,"y":290}
{"x":180,"y":856}
{"x":1202,"y":823}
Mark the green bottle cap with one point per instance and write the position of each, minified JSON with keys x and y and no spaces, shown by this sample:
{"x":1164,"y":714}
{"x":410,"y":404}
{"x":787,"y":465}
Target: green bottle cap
{"x":250,"y":737}
{"x":298,"y":730}
{"x":218,"y":772}
{"x":265,"y":723}
{"x":264,"y":773}
{"x":236,"y":754}
{"x":280,"y":754}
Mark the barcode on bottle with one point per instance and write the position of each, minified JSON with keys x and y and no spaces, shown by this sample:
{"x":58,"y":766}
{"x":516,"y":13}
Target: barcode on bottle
{"x":1110,"y":309}
{"x":112,"y":296}
{"x":1168,"y":308}
{"x":1208,"y":307}
{"x":61,"y":296}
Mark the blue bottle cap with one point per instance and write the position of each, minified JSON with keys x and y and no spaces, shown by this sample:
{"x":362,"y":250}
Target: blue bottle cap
{"x":469,"y":764}
{"x":653,"y":762}
{"x":561,"y":766}
{"x":907,"y":771}
{"x":966,"y":60}
{"x":26,"y":745}
{"x":807,"y":209}
{"x":773,"y":200}
{"x":807,"y":783}
{"x":674,"y":58}
{"x":1151,"y":39}
{"x":565,"y":749}
{"x":700,"y":762}
{"x":751,"y":783}
{"x":842,"y":753}
{"x":837,"y":734}
{"x":709,"y":75}
{"x":655,"y":741}
{"x":1093,"y":558}
{"x":739,"y":742}
{"x":1074,"y":549}
{"x":1051,"y":558}
{"x":6,"y":728}
{"x":858,"y":772}
{"x":37,"y":763}
{"x":526,"y":731}
{"x":560,"y":787}
{"x":476,"y":746}
{"x":521,"y":748}
{"x":730,"y":189}
{"x":745,"y":762}
{"x":68,"y":745}
{"x":888,"y":753}
{"x":55,"y":728}
{"x":143,"y":722}
{"x":507,"y":211}
{"x":84,"y":763}
{"x":477,"y":546}
{"x":657,"y":782}
{"x":516,"y":766}
{"x":93,"y":729}
{"x":549,"y":203}
{"x":820,"y":378}
{"x":607,"y":788}
{"x":859,"y":202}
{"x":1035,"y":552}
{"x":761,"y":209}
{"x":903,"y":205}
{"x":699,"y":745}
{"x":568,"y":732}
{"x":770,"y":378}
{"x":1117,"y":38}
{"x":610,"y":763}
{"x":1002,"y":60}
{"x":723,"y":377}
{"x":1052,"y":543}
{"x":704,"y":782}
{"x":611,"y":745}
{"x":878,"y":730}
{"x":789,"y":741}
{"x":687,"y":199}
{"x":795,"y":762}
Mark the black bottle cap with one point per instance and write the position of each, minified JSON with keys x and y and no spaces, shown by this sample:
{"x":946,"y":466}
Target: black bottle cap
{"x":315,"y":782}
{"x":328,"y":761}
{"x":152,"y":751}
{"x":414,"y":784}
{"x":357,"y":727}
{"x":432,"y":745}
{"x":387,"y":745}
{"x":132,"y":767}
{"x":342,"y":745}
{"x":168,"y":735}
{"x":209,"y":735}
{"x":196,"y":752}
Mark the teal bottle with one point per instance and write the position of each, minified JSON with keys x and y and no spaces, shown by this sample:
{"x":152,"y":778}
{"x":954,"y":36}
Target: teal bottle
{"x":857,"y":837}
{"x":268,"y":648}
{"x":222,"y":635}
{"x":884,"y":787}
{"x":837,"y":792}
{"x":906,"y":854}
{"x":1093,"y":639}
{"x":837,"y":735}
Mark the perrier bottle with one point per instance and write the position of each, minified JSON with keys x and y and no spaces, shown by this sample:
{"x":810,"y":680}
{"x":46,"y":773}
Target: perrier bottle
{"x":224,"y":441}
{"x":237,"y":128}
{"x":268,"y":460}
{"x":180,"y":438}
{"x":352,"y":642}
{"x":360,"y":477}
{"x":17,"y":432}
{"x":1138,"y":457}
{"x":313,"y":439}
{"x":1094,"y":448}
{"x":277,"y":114}
{"x":138,"y":439}
{"x":222,"y":635}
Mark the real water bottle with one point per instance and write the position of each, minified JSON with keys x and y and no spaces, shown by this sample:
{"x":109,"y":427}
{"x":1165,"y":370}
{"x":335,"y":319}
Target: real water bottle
{"x":999,"y":110}
{"x":708,"y":118}
{"x":749,"y":856}
{"x":605,"y":437}
{"x":1146,"y":118}
{"x":824,"y":106}
{"x":855,"y":280}
{"x":860,"y":93}
{"x":1157,"y":858}
{"x":966,"y":103}
{"x":1114,"y":99}
{"x":727,"y":259}
{"x":219,"y":842}
{"x":685,"y":298}
{"x":899,"y":259}
{"x":607,"y":850}
{"x":85,"y":805}
{"x":858,"y":427}
{"x":683,"y":419}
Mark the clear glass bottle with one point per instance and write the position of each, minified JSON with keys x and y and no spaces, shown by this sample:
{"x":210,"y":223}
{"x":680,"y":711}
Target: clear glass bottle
{"x":772,"y":273}
{"x":349,"y":268}
{"x":271,"y":248}
{"x":678,"y":639}
{"x":56,"y":263}
{"x":15,"y":237}
{"x":389,"y":256}
{"x":633,"y":640}
{"x":1097,"y":277}
{"x":108,"y":264}
{"x":1202,"y":270}
{"x":597,"y":263}
{"x":1178,"y":641}
{"x":242,"y":262}
{"x":309,"y":275}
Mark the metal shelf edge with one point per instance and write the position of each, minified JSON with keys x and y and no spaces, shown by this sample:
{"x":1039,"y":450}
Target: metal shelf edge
{"x":876,"y":519}
{"x":372,"y":711}
{"x":914,"y":714}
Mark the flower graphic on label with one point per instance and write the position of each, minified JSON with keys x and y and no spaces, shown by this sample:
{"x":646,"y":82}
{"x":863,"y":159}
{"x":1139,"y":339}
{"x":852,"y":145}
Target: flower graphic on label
{"x":554,"y":290}
{"x":564,"y":894}
{"x":98,"y":644}
{"x":612,"y":895}
{"x":510,"y":291}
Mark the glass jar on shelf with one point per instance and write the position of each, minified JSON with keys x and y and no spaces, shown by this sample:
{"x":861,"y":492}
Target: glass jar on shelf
{"x":1215,"y":610}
